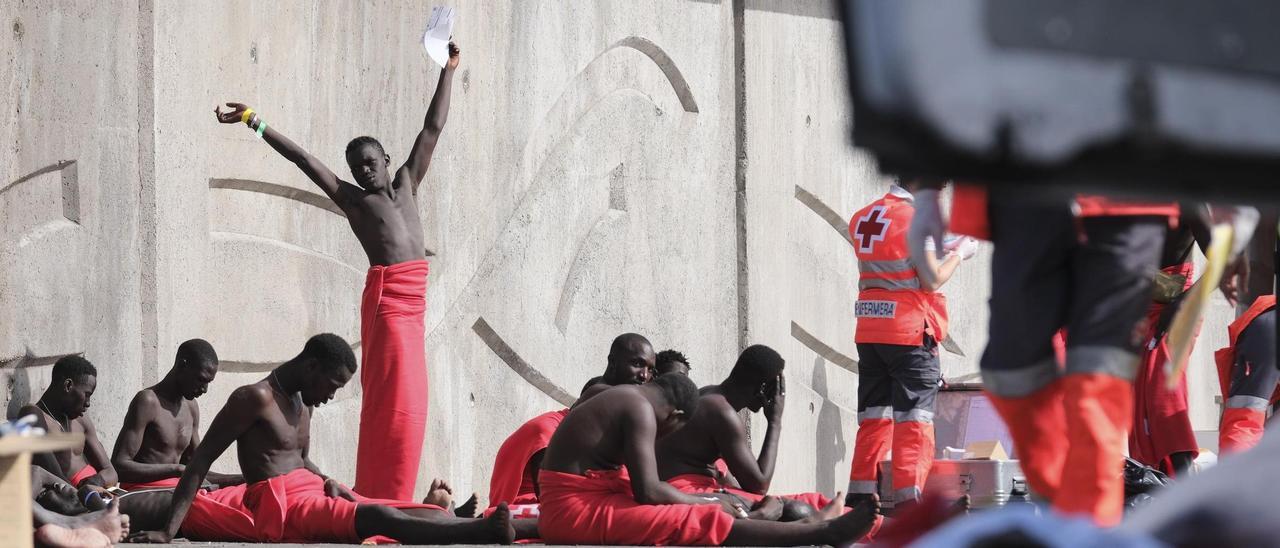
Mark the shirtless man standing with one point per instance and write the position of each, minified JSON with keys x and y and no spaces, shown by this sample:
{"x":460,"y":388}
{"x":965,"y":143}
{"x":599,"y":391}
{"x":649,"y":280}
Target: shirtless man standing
{"x":383,"y":213}
{"x":162,"y":427}
{"x":61,"y":409}
{"x":286,"y":499}
{"x":586,"y":498}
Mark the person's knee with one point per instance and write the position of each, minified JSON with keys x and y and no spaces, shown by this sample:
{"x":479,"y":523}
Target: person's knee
{"x":373,"y":516}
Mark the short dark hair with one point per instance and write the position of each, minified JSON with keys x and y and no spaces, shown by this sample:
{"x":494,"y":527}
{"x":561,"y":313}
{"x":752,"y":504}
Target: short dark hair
{"x":72,"y":367}
{"x":331,"y":351}
{"x":671,"y":356}
{"x":195,"y":352}
{"x":679,"y":391}
{"x":758,"y":363}
{"x":365,"y":140}
{"x":623,"y":342}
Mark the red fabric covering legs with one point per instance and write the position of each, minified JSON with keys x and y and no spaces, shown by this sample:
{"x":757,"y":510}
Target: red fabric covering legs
{"x":599,"y":508}
{"x":698,"y":483}
{"x":1038,"y":426}
{"x":869,"y":448}
{"x":510,"y":483}
{"x":1099,"y":409}
{"x":167,"y":483}
{"x":219,"y":516}
{"x":393,"y":374}
{"x":1241,"y":429}
{"x":913,"y":447}
{"x":82,"y":474}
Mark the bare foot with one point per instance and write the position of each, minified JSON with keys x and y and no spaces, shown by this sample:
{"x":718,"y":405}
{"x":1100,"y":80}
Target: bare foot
{"x":55,"y":536}
{"x":852,"y":526}
{"x":109,"y":522}
{"x":834,"y":509}
{"x":440,"y":494}
{"x":467,"y":509}
{"x":501,"y":529}
{"x":768,"y":509}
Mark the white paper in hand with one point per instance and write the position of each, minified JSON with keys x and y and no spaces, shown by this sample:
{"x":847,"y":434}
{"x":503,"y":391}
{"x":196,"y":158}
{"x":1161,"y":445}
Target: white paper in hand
{"x":436,"y":38}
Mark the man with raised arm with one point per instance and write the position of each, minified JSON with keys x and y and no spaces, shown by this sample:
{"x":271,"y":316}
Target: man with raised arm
{"x":587,"y":498}
{"x":688,"y":457}
{"x":62,"y":408}
{"x":383,"y":213}
{"x":162,"y":427}
{"x":287,"y":499}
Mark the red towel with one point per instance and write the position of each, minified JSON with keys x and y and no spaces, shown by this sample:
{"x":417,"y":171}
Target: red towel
{"x":1161,"y":421}
{"x":598,"y":508}
{"x":166,"y":483}
{"x":698,"y":483}
{"x":291,"y":508}
{"x":393,"y":374}
{"x":509,"y":482}
{"x":84,"y":474}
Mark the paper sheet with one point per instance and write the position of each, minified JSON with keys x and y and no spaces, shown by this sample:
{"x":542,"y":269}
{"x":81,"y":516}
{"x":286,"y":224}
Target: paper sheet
{"x":436,"y":37}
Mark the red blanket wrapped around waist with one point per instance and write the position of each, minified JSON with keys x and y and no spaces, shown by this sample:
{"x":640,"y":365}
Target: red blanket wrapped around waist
{"x":699,"y":483}
{"x":599,"y":508}
{"x":289,"y":508}
{"x":509,"y":482}
{"x":166,"y":483}
{"x":393,"y":375}
{"x":82,"y":474}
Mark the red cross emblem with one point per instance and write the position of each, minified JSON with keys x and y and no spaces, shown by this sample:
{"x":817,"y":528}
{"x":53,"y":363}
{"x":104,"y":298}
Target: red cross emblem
{"x":871,"y":228}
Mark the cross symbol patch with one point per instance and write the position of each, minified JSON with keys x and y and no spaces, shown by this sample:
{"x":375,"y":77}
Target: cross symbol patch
{"x":871,"y":228}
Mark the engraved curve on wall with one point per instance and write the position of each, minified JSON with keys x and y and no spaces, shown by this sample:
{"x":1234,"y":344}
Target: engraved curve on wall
{"x":513,"y":360}
{"x":69,"y":196}
{"x":822,"y":349}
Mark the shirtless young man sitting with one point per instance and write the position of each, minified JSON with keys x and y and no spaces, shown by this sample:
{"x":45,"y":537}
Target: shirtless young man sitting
{"x":631,"y":361}
{"x":687,"y":458}
{"x":587,"y":499}
{"x":61,"y":409}
{"x":162,"y":427}
{"x":287,"y":499}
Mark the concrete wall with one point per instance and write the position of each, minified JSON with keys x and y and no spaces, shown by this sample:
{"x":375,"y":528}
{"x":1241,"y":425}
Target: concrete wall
{"x":679,"y":168}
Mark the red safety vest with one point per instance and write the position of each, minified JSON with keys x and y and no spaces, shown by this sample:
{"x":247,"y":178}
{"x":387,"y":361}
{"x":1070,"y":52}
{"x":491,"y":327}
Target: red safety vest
{"x":891,"y":307}
{"x":1225,"y":358}
{"x":969,"y":209}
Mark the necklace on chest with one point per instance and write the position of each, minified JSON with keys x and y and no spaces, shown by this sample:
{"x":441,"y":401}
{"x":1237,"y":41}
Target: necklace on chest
{"x":63,"y":422}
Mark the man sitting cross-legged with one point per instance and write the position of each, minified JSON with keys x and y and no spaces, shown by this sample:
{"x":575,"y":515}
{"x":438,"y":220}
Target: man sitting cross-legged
{"x":586,"y":498}
{"x":162,"y":427}
{"x":687,"y":458}
{"x":62,"y":408}
{"x":286,"y":498}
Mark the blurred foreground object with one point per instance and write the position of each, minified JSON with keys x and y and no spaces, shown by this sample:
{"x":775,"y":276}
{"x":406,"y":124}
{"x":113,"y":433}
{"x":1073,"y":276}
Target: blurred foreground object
{"x":1126,"y":97}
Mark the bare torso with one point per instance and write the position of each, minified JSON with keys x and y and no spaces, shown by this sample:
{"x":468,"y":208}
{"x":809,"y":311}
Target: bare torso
{"x":387,"y":222}
{"x":169,"y":434}
{"x":692,"y":449}
{"x":276,"y":443}
{"x":71,"y":460}
{"x":592,"y":435}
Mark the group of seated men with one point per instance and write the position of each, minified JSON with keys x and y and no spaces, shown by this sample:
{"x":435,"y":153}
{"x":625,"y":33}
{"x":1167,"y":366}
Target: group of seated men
{"x":656,"y":462}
